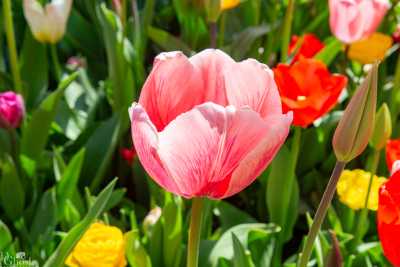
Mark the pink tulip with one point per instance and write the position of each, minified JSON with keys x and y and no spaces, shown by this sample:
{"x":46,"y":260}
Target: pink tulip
{"x":12,"y":109}
{"x":207,"y":126}
{"x":352,"y":20}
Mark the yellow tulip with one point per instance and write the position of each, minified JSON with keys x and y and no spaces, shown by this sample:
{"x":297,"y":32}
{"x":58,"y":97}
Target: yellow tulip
{"x":228,"y":4}
{"x":352,"y":189}
{"x":100,"y":246}
{"x":371,"y":49}
{"x":47,"y":23}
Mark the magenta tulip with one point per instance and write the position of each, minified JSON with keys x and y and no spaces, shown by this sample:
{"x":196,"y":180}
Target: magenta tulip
{"x":12,"y":109}
{"x":352,"y":20}
{"x":207,"y":126}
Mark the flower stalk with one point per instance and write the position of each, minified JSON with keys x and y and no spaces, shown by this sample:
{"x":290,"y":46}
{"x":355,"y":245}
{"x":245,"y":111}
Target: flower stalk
{"x":287,"y":29}
{"x":56,"y":62}
{"x":12,"y":48}
{"x":321,"y":212}
{"x":194,"y":232}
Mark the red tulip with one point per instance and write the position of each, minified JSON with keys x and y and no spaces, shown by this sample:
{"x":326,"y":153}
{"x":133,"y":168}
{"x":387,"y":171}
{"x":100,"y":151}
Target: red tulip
{"x":128,"y":154}
{"x":207,"y":126}
{"x":392,"y":152}
{"x":389,"y":218}
{"x":309,"y":47}
{"x":12,"y":109}
{"x":353,"y":20}
{"x":308,"y":89}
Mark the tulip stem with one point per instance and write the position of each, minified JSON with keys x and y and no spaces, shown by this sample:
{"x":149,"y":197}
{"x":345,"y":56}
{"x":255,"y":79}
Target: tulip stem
{"x":213,"y":34}
{"x":320,"y":214}
{"x":359,"y":231}
{"x":12,"y":48}
{"x":286,"y":32}
{"x":194,"y":232}
{"x":56,"y":62}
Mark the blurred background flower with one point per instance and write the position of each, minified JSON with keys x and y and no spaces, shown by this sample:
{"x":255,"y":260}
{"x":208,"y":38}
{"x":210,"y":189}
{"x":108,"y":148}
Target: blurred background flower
{"x":12,"y":109}
{"x":371,"y":49}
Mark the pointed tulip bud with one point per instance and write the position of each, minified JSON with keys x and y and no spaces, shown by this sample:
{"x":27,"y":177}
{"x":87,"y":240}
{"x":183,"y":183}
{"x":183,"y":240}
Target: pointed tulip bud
{"x":335,"y":258}
{"x":213,"y":9}
{"x":383,"y":128}
{"x":354,"y":130}
{"x":47,"y":23}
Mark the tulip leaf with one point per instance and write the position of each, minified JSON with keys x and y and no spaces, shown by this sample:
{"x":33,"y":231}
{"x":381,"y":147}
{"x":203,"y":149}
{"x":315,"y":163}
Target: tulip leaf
{"x":35,"y":134}
{"x":283,"y":193}
{"x":45,"y":219}
{"x":34,"y":69}
{"x":230,"y":216}
{"x":12,"y":194}
{"x":135,"y":252}
{"x":5,"y":236}
{"x":68,"y":243}
{"x":241,"y":257}
{"x":172,"y":231}
{"x":330,"y":51}
{"x":224,"y":247}
{"x":69,"y":181}
{"x":166,"y":41}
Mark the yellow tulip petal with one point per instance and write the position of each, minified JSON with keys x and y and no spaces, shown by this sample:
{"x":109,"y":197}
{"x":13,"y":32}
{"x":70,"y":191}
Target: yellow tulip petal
{"x":371,"y":49}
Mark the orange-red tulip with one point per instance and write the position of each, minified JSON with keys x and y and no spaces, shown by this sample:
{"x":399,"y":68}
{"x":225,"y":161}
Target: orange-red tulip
{"x":389,"y":218}
{"x":309,"y":47}
{"x":392,"y":152}
{"x":308,"y":89}
{"x":207,"y":126}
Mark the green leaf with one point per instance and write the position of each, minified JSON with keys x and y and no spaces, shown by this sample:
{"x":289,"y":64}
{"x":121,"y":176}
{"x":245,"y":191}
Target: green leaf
{"x":34,"y":136}
{"x":12,"y":194}
{"x":283,"y":194}
{"x":224,"y":247}
{"x":34,"y":69}
{"x":330,"y":51}
{"x":231,"y":216}
{"x":135,"y":252}
{"x":118,"y":49}
{"x":45,"y":219}
{"x":241,"y":257}
{"x":67,"y":244}
{"x":98,"y":157}
{"x":5,"y":236}
{"x":166,"y":41}
{"x":69,"y":181}
{"x":172,"y":231}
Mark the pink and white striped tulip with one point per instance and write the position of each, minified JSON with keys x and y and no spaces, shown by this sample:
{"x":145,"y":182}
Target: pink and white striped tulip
{"x":352,"y":20}
{"x":207,"y":126}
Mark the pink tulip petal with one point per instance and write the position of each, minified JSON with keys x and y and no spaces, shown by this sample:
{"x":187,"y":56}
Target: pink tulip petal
{"x":202,"y":148}
{"x":260,"y":157}
{"x":212,"y":63}
{"x":174,"y":86}
{"x":146,"y":144}
{"x":250,"y":83}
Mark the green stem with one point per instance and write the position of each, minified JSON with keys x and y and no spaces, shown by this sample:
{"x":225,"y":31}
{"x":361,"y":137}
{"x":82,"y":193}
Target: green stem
{"x":12,"y":48}
{"x":394,"y":99}
{"x":56,"y":62}
{"x":321,"y":212}
{"x":194,"y":232}
{"x":360,"y":229}
{"x":295,"y":147}
{"x":286,"y":32}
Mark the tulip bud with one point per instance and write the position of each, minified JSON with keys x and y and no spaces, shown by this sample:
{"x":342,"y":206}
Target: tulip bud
{"x":151,"y":219}
{"x":354,"y":130}
{"x":383,"y":128}
{"x":228,"y":4}
{"x":12,"y":109}
{"x":213,"y":9}
{"x":47,"y":23}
